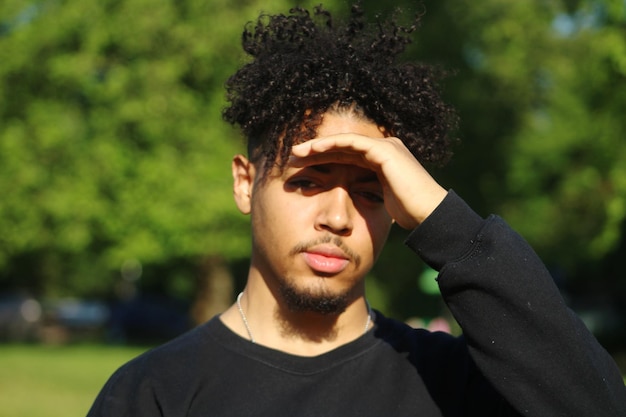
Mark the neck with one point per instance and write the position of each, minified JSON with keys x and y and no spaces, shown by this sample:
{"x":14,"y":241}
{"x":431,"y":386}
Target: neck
{"x":300,"y":333}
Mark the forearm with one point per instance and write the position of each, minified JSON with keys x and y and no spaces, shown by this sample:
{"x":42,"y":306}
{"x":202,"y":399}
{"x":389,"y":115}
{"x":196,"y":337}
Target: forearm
{"x":527,"y":343}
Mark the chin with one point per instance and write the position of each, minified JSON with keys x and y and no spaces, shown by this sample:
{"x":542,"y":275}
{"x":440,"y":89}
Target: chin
{"x":321,"y":301}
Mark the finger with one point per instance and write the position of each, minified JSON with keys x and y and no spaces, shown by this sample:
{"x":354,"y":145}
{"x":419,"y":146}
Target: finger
{"x":345,"y":142}
{"x":330,"y":157}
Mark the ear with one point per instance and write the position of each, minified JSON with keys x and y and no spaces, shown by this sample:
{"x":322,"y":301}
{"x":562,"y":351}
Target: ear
{"x":243,"y":181}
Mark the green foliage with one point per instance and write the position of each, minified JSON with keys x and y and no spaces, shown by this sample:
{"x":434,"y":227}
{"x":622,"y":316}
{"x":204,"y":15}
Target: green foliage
{"x":570,"y":150}
{"x":539,"y":88}
{"x":560,"y":180}
{"x":112,"y":146}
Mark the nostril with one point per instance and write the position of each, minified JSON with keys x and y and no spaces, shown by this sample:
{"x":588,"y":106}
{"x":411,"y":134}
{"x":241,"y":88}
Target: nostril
{"x":341,"y":232}
{"x":337,"y":226}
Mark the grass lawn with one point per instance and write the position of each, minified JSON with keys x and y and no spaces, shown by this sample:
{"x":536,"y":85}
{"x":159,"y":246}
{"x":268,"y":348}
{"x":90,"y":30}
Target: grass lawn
{"x":53,"y":381}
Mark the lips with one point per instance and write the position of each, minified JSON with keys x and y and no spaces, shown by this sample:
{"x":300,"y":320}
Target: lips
{"x":326,"y":260}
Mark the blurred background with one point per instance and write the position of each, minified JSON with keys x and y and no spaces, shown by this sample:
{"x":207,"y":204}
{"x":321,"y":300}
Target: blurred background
{"x":117,"y":226}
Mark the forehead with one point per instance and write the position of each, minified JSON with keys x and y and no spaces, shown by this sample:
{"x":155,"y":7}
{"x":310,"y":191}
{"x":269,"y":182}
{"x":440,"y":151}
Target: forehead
{"x":347,"y":122}
{"x":333,"y":122}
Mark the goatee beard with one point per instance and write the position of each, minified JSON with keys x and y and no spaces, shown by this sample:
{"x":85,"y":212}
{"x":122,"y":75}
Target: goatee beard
{"x":301,"y":301}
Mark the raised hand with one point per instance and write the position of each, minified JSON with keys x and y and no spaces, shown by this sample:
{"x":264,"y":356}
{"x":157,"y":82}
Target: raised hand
{"x":410,"y":192}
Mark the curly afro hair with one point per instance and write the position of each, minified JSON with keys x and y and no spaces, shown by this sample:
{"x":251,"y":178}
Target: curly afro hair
{"x":304,"y":65}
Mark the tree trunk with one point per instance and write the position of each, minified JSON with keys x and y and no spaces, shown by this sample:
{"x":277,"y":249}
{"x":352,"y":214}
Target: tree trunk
{"x":214,"y":292}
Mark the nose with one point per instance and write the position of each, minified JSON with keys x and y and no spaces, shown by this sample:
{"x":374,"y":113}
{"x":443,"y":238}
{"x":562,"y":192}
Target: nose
{"x":335,"y":212}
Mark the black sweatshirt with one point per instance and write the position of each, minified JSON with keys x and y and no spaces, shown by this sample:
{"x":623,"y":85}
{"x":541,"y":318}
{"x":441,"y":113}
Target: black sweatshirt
{"x":523,"y":352}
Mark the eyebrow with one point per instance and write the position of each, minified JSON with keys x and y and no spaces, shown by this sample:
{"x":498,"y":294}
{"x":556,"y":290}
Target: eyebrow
{"x":323,"y":168}
{"x":368,"y":178}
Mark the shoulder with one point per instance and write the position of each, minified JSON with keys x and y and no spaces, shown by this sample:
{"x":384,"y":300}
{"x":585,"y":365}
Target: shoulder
{"x":420,"y":343}
{"x":161,"y":378}
{"x":172,"y":360}
{"x":442,"y":360}
{"x":183,"y":348}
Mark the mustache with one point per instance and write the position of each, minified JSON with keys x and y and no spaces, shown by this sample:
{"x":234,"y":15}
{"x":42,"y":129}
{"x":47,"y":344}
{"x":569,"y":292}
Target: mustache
{"x":335,"y":240}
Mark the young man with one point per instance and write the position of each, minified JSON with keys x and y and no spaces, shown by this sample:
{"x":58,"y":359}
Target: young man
{"x":336,"y":131}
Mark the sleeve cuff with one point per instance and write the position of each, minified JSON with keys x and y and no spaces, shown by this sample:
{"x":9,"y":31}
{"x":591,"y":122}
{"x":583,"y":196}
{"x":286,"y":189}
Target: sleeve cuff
{"x":447,"y":234}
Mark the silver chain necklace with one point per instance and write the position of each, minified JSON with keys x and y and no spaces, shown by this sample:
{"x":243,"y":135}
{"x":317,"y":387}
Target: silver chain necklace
{"x":368,"y":322}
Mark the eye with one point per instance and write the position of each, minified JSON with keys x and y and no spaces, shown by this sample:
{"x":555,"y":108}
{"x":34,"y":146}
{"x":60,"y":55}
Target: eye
{"x":305,"y":186}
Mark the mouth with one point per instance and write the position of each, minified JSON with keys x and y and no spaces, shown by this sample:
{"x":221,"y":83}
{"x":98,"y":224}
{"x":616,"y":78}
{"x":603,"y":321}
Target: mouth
{"x":326,"y":260}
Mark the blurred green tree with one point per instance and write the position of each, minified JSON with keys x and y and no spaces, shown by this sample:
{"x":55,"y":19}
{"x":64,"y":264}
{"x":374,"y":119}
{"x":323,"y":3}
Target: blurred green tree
{"x":539,"y":87}
{"x":114,"y":161}
{"x":566,"y":176}
{"x":553,"y":73}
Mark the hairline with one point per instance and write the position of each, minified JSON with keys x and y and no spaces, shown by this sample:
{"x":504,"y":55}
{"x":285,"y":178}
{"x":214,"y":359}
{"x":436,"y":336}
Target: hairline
{"x":352,"y":109}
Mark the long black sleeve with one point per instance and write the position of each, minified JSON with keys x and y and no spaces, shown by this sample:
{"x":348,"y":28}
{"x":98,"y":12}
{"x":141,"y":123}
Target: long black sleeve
{"x":524,"y":339}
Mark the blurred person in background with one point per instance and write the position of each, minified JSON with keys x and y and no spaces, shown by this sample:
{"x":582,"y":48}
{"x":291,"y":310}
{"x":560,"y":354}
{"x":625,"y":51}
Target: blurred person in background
{"x":338,"y":130}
